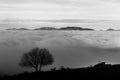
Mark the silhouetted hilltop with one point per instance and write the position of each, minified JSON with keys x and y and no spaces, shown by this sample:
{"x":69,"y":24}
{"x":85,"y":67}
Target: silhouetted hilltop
{"x":17,"y":29}
{"x":110,"y":29}
{"x":75,"y":28}
{"x":98,"y":71}
{"x":63,"y":28}
{"x":46,"y":28}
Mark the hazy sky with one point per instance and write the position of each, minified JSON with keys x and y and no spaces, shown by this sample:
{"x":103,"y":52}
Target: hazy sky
{"x":60,"y":9}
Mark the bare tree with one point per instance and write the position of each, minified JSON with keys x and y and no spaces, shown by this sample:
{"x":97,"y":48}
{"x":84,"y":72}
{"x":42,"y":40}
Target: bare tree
{"x":36,"y":58}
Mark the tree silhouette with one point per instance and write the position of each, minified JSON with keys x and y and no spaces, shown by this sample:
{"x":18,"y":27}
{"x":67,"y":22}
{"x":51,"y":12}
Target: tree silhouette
{"x":36,"y":58}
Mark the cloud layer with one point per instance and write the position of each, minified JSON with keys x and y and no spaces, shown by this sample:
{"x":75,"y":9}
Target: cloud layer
{"x":60,"y":9}
{"x":66,"y":49}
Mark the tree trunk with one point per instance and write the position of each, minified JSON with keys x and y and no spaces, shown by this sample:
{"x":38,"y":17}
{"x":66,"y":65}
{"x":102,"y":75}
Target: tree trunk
{"x":36,"y":69}
{"x":40,"y":67}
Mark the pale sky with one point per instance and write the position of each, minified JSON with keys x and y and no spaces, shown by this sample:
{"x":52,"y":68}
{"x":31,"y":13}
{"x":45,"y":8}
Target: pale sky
{"x":60,"y":9}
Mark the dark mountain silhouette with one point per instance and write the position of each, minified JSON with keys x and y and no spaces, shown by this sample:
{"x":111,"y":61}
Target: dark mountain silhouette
{"x":46,"y":28}
{"x":110,"y":29}
{"x":53,"y":28}
{"x":75,"y":28}
{"x":63,"y":28}
{"x":17,"y":29}
{"x":98,"y":71}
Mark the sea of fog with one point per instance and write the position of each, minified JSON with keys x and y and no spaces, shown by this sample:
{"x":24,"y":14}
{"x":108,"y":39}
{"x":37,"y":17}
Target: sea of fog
{"x":69,"y":48}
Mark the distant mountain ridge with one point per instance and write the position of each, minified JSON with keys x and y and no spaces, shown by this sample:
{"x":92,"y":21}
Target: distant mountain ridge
{"x":17,"y":29}
{"x":53,"y":28}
